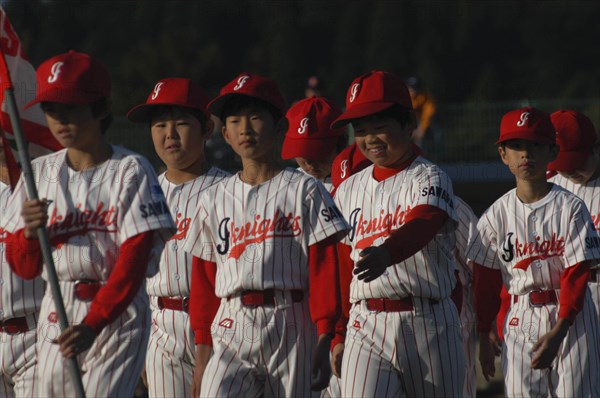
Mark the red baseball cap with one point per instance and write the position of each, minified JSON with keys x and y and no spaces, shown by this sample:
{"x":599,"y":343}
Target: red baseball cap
{"x":71,"y":78}
{"x":575,"y":135}
{"x":172,"y":91}
{"x":250,"y":85}
{"x":309,"y":134}
{"x":348,"y":162}
{"x":372,"y":93}
{"x":529,"y":124}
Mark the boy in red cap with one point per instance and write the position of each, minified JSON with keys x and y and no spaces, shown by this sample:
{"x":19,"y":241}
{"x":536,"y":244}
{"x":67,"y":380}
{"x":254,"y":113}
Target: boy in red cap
{"x":271,"y":234}
{"x":310,"y":140}
{"x":403,"y":334}
{"x":180,"y":125}
{"x":107,"y":221}
{"x":537,"y":240}
{"x":578,"y":167}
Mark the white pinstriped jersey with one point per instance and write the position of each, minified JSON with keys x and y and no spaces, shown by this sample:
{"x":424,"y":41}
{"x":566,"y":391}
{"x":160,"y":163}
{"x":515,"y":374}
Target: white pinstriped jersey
{"x":175,"y":272}
{"x":466,"y":231}
{"x":325,"y":181}
{"x":259,"y":235}
{"x":375,"y":209}
{"x":95,"y":210}
{"x":533,"y":243}
{"x":18,"y":297}
{"x":589,"y":193}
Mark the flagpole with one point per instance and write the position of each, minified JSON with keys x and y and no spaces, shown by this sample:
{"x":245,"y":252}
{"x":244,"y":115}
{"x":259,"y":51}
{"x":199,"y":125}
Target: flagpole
{"x":42,"y":232}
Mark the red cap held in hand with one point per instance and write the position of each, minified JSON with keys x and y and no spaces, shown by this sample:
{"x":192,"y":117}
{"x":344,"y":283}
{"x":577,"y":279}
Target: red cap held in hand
{"x":172,"y":91}
{"x":71,"y":78}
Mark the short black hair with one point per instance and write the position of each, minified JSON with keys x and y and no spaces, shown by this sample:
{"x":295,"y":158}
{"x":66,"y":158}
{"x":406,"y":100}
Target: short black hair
{"x":170,"y":110}
{"x":237,"y":102}
{"x":402,"y":115}
{"x":97,"y":107}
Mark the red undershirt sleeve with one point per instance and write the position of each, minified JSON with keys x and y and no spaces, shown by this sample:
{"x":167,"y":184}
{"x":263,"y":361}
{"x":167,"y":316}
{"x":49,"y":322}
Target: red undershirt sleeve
{"x":24,"y":255}
{"x":324,"y":297}
{"x":204,"y":303}
{"x":123,"y":283}
{"x":345,"y":268}
{"x":421,"y":225}
{"x":573,"y":284}
{"x":487,"y":283}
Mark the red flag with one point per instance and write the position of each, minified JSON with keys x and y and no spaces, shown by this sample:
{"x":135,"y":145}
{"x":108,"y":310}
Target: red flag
{"x":20,"y":75}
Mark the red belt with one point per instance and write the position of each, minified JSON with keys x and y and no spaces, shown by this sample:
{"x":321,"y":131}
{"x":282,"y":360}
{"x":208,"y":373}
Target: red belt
{"x":389,"y":305}
{"x":173,"y":303}
{"x":86,"y":290}
{"x":257,"y":298}
{"x":538,"y":298}
{"x":14,"y":325}
{"x":594,"y":275}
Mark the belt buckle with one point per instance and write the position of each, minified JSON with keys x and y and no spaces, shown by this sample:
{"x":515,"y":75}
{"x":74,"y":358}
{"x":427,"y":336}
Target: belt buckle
{"x":185,"y":303}
{"x":529,"y":298}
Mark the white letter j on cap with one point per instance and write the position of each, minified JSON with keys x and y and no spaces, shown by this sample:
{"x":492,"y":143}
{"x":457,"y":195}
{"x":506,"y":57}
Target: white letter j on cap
{"x":354,"y":91}
{"x":55,"y":71}
{"x":523,"y":119}
{"x":240,"y":82}
{"x":303,"y":125}
{"x":156,"y":90}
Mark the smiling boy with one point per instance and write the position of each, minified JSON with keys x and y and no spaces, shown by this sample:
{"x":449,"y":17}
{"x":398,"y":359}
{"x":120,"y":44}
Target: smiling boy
{"x":403,"y":334}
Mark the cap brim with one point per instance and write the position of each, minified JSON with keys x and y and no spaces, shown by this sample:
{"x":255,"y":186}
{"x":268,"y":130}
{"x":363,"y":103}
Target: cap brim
{"x":314,"y":149}
{"x":519,"y":135}
{"x":143,"y":113}
{"x":569,"y":161}
{"x":361,"y":110}
{"x":64,"y":96}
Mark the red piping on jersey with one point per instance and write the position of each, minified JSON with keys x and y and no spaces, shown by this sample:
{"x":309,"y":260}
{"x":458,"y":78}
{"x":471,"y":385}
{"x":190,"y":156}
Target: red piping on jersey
{"x":381,"y":173}
{"x":124,"y":282}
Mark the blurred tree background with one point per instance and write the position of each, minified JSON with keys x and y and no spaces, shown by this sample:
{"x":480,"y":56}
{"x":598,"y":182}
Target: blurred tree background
{"x":463,"y":50}
{"x":478,"y":58}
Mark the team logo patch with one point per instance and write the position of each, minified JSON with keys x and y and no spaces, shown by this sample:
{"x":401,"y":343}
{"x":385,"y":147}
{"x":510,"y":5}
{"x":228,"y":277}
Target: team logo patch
{"x":514,"y":322}
{"x":227,"y":323}
{"x":53,"y":317}
{"x":354,"y":91}
{"x":55,"y":72}
{"x":303,"y":125}
{"x":356,"y":324}
{"x":156,"y":90}
{"x":523,"y":119}
{"x":240,"y":82}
